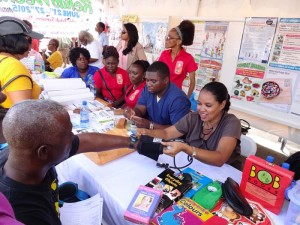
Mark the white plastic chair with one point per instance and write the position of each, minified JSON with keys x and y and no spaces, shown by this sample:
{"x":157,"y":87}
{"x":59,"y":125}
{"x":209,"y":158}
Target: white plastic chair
{"x":248,"y":146}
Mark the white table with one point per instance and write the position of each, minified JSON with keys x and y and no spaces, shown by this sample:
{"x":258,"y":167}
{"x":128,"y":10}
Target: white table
{"x":117,"y":181}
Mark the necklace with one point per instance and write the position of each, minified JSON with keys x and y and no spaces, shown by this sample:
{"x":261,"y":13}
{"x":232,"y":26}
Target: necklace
{"x":209,"y":130}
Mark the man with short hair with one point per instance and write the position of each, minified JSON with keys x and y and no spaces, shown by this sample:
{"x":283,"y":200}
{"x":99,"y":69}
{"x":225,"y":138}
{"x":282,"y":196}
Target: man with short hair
{"x":161,"y":103}
{"x":39,"y":136}
{"x":102,"y":37}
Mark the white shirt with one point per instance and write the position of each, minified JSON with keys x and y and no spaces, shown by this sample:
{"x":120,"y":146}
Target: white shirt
{"x":103,"y":39}
{"x":95,"y":50}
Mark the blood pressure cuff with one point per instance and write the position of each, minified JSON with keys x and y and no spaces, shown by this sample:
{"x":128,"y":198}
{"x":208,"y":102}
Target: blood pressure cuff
{"x":150,"y":147}
{"x":235,"y":199}
{"x":69,"y":192}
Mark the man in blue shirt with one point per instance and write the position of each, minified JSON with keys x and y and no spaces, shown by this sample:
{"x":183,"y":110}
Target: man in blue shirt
{"x":161,"y":103}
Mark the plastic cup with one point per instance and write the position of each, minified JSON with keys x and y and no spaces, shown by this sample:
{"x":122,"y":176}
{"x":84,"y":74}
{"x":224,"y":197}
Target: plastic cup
{"x":293,"y":213}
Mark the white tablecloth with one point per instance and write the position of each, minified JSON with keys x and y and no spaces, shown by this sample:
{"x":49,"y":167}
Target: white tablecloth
{"x":117,"y":181}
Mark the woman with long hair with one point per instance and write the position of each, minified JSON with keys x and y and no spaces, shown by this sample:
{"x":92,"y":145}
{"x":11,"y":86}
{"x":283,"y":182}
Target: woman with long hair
{"x":129,"y":48}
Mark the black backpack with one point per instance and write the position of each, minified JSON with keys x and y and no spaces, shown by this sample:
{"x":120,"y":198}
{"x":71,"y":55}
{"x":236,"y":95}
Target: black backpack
{"x":294,"y":161}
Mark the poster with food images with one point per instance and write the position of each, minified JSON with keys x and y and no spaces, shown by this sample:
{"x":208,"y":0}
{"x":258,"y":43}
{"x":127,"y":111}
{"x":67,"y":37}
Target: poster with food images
{"x":286,"y":49}
{"x":278,"y":88}
{"x":257,"y":39}
{"x":248,"y":81}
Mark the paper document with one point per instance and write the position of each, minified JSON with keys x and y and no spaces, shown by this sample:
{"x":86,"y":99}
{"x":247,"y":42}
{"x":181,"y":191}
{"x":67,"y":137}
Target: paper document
{"x":87,"y":212}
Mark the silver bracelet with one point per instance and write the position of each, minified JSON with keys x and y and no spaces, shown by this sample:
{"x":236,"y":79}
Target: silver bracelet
{"x":151,"y":125}
{"x":194,"y":152}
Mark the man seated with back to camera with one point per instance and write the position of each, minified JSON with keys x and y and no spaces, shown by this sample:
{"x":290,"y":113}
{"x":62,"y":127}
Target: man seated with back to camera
{"x":7,"y":215}
{"x":161,"y":103}
{"x":39,"y":136}
{"x":212,"y":135}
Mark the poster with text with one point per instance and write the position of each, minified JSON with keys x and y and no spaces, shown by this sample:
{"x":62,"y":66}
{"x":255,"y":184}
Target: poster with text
{"x":196,"y":48}
{"x":257,"y":39}
{"x":278,"y":88}
{"x":286,"y":50}
{"x":214,"y":40}
{"x":248,"y":80}
{"x":153,"y":36}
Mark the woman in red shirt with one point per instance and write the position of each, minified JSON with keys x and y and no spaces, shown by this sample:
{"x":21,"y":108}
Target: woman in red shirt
{"x":180,"y":62}
{"x":111,"y":81}
{"x":137,"y":72}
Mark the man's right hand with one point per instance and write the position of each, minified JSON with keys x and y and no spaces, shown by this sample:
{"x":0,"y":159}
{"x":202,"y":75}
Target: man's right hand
{"x":129,"y":113}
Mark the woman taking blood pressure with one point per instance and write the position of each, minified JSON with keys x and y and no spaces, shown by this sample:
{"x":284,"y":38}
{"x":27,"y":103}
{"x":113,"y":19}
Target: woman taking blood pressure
{"x":212,"y":135}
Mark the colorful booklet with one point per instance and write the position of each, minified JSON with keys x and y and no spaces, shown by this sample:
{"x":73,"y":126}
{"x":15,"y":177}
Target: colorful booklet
{"x":259,"y":217}
{"x":186,"y":211}
{"x":173,"y":186}
{"x":143,"y":205}
{"x":199,"y":181}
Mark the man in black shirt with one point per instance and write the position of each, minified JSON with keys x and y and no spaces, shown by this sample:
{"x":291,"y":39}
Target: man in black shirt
{"x":39,"y":136}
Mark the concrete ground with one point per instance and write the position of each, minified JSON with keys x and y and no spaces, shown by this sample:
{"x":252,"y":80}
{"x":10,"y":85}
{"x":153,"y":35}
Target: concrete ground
{"x":271,"y":141}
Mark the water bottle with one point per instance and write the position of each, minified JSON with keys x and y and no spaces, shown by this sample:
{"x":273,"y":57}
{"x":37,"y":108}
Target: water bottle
{"x":84,"y":115}
{"x":270,"y":159}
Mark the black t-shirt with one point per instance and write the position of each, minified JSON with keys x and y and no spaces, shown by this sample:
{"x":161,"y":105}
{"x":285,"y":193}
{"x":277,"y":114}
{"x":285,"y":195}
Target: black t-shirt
{"x":33,"y":204}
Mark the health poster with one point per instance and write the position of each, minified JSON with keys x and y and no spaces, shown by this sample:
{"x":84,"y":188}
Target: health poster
{"x":214,"y":40}
{"x":277,"y":89}
{"x":153,"y":36}
{"x":286,"y":50}
{"x":248,"y":81}
{"x":196,"y":47}
{"x":295,"y":108}
{"x":257,"y":39}
{"x":208,"y":70}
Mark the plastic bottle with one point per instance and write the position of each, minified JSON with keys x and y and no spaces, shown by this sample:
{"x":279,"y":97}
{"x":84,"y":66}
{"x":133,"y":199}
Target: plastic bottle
{"x":270,"y":159}
{"x":285,"y":166}
{"x":84,"y":115}
{"x":293,"y":214}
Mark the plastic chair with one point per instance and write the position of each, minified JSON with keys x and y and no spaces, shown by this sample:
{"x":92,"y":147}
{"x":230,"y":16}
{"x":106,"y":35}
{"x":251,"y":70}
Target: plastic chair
{"x":248,"y":146}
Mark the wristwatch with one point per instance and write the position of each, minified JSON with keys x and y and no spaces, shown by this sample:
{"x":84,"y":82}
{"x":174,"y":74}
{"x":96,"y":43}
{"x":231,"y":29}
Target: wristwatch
{"x":133,"y":140}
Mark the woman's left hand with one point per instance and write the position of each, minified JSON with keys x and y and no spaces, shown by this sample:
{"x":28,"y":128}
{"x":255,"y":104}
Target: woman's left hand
{"x":172,"y":148}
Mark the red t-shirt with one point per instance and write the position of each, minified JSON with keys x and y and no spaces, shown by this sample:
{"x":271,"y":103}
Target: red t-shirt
{"x":35,"y":44}
{"x":183,"y":63}
{"x":132,"y":96}
{"x":116,"y":84}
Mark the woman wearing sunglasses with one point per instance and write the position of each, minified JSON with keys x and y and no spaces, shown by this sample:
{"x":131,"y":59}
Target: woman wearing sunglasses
{"x":178,"y":60}
{"x":129,"y":48}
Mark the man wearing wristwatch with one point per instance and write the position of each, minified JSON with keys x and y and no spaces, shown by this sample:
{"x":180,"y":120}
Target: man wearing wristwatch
{"x":161,"y":103}
{"x":28,"y":177}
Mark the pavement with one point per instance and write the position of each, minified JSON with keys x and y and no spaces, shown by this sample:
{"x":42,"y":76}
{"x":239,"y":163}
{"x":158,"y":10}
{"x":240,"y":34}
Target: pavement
{"x":271,"y":141}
